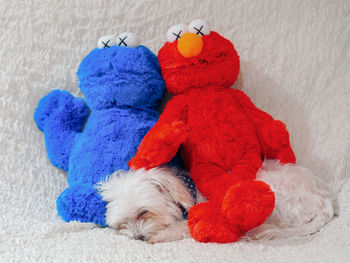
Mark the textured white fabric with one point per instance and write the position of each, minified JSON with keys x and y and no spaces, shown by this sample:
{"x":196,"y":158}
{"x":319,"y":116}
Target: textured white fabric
{"x":295,"y":60}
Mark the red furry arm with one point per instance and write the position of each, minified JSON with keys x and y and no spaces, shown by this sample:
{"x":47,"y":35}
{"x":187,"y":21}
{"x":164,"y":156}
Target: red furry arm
{"x":162,"y":141}
{"x":273,"y":134}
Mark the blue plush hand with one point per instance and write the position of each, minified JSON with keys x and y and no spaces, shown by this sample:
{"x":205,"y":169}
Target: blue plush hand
{"x":60,"y":106}
{"x":60,"y":116}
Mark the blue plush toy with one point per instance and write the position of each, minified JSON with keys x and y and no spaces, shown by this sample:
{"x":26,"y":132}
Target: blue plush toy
{"x":122,"y":87}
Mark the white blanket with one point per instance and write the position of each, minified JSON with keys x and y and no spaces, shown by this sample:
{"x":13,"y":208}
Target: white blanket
{"x":295,"y":64}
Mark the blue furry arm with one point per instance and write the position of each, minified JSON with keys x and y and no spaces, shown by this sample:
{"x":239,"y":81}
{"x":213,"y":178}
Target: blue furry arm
{"x":60,"y":116}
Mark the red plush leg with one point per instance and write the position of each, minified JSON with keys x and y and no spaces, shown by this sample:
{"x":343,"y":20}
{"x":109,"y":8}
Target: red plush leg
{"x":211,"y":180}
{"x":246,"y":168}
{"x":207,"y":224}
{"x":205,"y":221}
{"x":248,"y":204}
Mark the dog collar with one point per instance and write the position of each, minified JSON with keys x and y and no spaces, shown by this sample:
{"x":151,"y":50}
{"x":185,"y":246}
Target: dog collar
{"x":184,"y":176}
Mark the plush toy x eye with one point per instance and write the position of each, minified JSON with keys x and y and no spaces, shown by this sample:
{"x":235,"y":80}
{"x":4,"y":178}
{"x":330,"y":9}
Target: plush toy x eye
{"x":175,"y":32}
{"x":127,"y":39}
{"x":199,"y":27}
{"x":106,"y":41}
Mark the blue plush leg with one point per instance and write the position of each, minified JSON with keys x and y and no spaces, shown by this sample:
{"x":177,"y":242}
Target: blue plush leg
{"x":60,"y":116}
{"x":80,"y":202}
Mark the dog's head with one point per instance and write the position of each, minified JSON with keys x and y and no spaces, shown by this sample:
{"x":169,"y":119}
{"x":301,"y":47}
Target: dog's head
{"x":143,"y":202}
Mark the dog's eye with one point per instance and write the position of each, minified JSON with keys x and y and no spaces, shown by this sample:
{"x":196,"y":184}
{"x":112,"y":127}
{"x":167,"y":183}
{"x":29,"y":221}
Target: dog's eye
{"x":142,"y":213}
{"x":121,"y":226}
{"x":175,"y":32}
{"x":127,"y":39}
{"x":199,"y":27}
{"x":106,"y":41}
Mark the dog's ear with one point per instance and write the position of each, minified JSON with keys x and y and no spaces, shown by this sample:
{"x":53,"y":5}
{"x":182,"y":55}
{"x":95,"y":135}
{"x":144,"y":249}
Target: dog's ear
{"x":166,"y":181}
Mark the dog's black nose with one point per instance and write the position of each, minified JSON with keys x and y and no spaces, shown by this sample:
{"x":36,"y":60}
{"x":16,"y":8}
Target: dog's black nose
{"x":140,"y":237}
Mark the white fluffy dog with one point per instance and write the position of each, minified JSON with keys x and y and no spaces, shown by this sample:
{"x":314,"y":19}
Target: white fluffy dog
{"x":145,"y":205}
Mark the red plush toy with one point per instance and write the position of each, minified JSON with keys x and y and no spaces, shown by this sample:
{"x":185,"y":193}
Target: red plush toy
{"x":223,"y":137}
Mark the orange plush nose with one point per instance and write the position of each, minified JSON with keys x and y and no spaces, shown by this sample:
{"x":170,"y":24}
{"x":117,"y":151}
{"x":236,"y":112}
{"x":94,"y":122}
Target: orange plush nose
{"x":190,"y":45}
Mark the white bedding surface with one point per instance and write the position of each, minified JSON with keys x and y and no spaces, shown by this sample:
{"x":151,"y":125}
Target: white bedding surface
{"x":295,"y":64}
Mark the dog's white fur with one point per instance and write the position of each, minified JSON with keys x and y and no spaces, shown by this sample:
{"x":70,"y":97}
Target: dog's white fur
{"x":144,"y":204}
{"x":303,"y":203}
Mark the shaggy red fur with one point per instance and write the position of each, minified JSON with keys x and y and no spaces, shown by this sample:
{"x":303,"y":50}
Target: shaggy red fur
{"x":223,"y":139}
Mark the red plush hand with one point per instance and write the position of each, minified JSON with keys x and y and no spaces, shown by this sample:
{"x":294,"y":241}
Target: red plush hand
{"x":274,"y":134}
{"x":286,"y":155}
{"x":275,"y":141}
{"x":159,"y":145}
{"x":173,"y":132}
{"x":138,"y":163}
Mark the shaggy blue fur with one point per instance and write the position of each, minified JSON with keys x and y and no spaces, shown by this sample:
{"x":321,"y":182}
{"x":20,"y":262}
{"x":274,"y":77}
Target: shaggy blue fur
{"x":122,"y":88}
